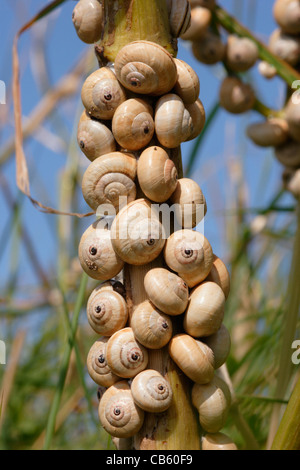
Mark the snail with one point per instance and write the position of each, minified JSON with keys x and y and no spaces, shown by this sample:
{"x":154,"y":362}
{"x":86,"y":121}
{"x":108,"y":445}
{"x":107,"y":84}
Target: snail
{"x":173,"y":122}
{"x":209,"y":49}
{"x":106,"y":311}
{"x":212,"y":401}
{"x":235,"y":96}
{"x":187,"y":86}
{"x":241,"y":53}
{"x":220,"y":275}
{"x":151,"y":392}
{"x":157,"y":174}
{"x":190,"y":255}
{"x":97,"y":256}
{"x":200,"y":21}
{"x":125,"y":356}
{"x":102,"y":94}
{"x":287,"y":15}
{"x":203,"y":3}
{"x":152,"y":328}
{"x":97,"y":365}
{"x":109,"y":178}
{"x":94,"y":138}
{"x":87,"y":18}
{"x":190,"y":203}
{"x":220,"y":344}
{"x":205,"y":311}
{"x":118,"y":413}
{"x":286,"y":47}
{"x":137,"y":234}
{"x":267,"y":70}
{"x":179,"y":12}
{"x":197,"y":113}
{"x":292,"y":116}
{"x":288,"y":154}
{"x":291,"y":181}
{"x":133,"y":125}
{"x":146,"y":68}
{"x":167,"y":291}
{"x":218,"y":441}
{"x":271,"y":133}
{"x":193,"y":357}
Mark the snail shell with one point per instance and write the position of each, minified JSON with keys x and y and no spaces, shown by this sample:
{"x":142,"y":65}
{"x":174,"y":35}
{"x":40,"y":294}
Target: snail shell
{"x":220,"y":344}
{"x":95,"y":139}
{"x":133,"y":125}
{"x":97,"y":256}
{"x":291,"y":180}
{"x":190,"y":203}
{"x":218,"y":441}
{"x":284,"y":46}
{"x":190,"y":255}
{"x":292,"y":116}
{"x":203,"y":3}
{"x":235,"y":96}
{"x":102,"y":94}
{"x":287,"y":15}
{"x":289,"y":154}
{"x":146,"y":68}
{"x":87,"y":19}
{"x":151,"y":391}
{"x":168,"y":292}
{"x":187,"y":86}
{"x":109,"y":178}
{"x":97,"y":365}
{"x":118,"y":413}
{"x":209,"y":49}
{"x":198,"y":116}
{"x":200,"y":21}
{"x":205,"y":312}
{"x":137,"y":234}
{"x":267,"y":70}
{"x":106,"y":311}
{"x":212,"y":401}
{"x":179,"y":16}
{"x":220,"y":275}
{"x":241,"y":53}
{"x":125,"y":356}
{"x":173,"y":122}
{"x":270,"y":133}
{"x":193,"y":357}
{"x":152,"y":328}
{"x":157,"y":174}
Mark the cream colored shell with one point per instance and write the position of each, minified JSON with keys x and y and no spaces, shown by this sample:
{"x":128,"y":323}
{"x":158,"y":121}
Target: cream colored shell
{"x":241,"y":53}
{"x":102,"y":94}
{"x":97,"y":365}
{"x":152,"y":328}
{"x":146,"y":68}
{"x":220,"y":344}
{"x":125,"y":356}
{"x":285,"y":46}
{"x":220,"y":275}
{"x":157,"y":174}
{"x":87,"y":18}
{"x":189,"y":203}
{"x":179,"y":16}
{"x":209,"y":49}
{"x":95,"y":139}
{"x":187,"y":86}
{"x":137,"y":234}
{"x":287,"y":15}
{"x":193,"y":357}
{"x":205,"y":311}
{"x":97,"y":256}
{"x":151,"y":391}
{"x":292,"y":116}
{"x":235,"y":96}
{"x":167,"y":291}
{"x":118,"y":413}
{"x":109,"y":178}
{"x":200,"y":21}
{"x":106,"y":311}
{"x":198,"y":116}
{"x":271,"y":133}
{"x":190,"y":255}
{"x":133,"y":125}
{"x":212,"y":401}
{"x":173,"y":122}
{"x":267,"y":70}
{"x":289,"y":154}
{"x":218,"y":441}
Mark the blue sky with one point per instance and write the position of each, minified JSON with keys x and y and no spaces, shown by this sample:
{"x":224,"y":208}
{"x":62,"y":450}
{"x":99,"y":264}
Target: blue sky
{"x":225,"y":144}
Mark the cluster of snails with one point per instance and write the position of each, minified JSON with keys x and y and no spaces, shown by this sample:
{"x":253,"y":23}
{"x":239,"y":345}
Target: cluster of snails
{"x":137,"y":111}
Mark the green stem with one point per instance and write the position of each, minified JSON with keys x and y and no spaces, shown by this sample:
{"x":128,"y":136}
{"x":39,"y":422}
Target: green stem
{"x":50,"y":429}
